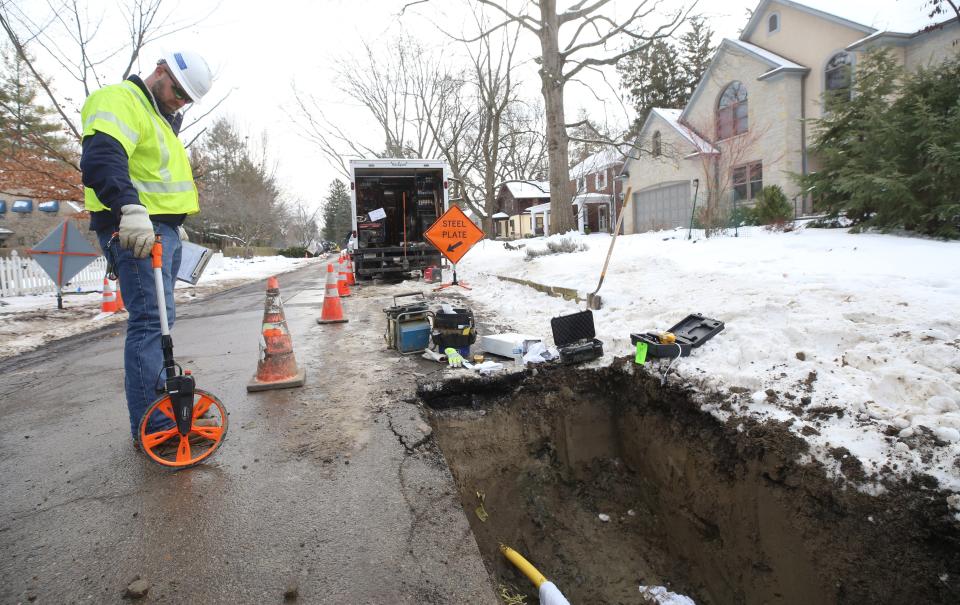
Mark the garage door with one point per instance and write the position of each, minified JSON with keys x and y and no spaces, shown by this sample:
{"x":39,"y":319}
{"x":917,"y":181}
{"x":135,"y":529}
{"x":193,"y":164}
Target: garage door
{"x":662,"y":207}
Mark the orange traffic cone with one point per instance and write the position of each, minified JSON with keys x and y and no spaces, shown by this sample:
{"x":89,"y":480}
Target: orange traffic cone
{"x":120,"y":306}
{"x":277,"y":368}
{"x":351,"y":280}
{"x":343,"y":288}
{"x":109,"y":302}
{"x":332,"y":310}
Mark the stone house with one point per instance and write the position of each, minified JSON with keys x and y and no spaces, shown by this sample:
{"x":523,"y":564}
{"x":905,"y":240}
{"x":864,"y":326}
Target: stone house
{"x":514,"y":199}
{"x":745,"y":125}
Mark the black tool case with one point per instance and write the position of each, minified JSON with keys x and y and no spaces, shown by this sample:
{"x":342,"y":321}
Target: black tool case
{"x":691,"y":332}
{"x":455,"y":329}
{"x":575,"y":337}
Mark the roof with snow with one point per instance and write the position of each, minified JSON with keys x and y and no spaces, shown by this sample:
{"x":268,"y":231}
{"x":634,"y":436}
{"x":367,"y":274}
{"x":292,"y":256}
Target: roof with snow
{"x":528,"y":189}
{"x":672,"y":117}
{"x":592,"y":198}
{"x":893,"y":38}
{"x":605,"y":158}
{"x":775,"y":61}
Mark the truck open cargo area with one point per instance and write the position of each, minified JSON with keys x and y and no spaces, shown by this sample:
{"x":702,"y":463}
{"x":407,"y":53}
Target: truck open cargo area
{"x":395,"y":202}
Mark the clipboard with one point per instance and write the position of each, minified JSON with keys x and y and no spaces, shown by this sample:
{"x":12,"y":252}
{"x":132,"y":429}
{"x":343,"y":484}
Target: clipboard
{"x":193,"y":260}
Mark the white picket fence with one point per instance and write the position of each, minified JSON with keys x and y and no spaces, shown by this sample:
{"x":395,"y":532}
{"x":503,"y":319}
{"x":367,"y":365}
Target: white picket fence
{"x":22,"y":275}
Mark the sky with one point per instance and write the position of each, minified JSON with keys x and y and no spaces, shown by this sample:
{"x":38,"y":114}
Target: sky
{"x":261,"y":51}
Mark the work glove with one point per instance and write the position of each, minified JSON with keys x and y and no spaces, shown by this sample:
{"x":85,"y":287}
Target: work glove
{"x":136,"y":230}
{"x":183,"y":234}
{"x":454,"y":359}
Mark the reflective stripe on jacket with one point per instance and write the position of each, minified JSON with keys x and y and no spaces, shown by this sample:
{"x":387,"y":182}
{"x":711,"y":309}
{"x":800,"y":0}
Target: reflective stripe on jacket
{"x":159,"y":166}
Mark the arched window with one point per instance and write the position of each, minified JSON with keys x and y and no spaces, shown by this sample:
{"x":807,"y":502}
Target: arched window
{"x":657,"y":149}
{"x":773,"y":23}
{"x":732,"y":111}
{"x":837,"y":81}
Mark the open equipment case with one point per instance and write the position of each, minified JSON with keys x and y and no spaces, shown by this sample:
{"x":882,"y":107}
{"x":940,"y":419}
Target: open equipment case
{"x":691,"y":332}
{"x":575,"y":337}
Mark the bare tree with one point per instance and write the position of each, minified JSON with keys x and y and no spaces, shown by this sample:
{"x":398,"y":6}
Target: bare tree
{"x":524,"y":145}
{"x":594,"y":31}
{"x":68,"y":36}
{"x":301,"y":228}
{"x":398,"y":89}
{"x":492,"y":74}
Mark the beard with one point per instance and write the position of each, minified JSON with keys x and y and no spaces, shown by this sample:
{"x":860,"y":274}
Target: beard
{"x":155,"y":90}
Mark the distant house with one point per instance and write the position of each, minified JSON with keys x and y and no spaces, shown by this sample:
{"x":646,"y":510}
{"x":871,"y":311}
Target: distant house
{"x":25,"y":221}
{"x":597,"y":190}
{"x":35,"y":196}
{"x":513,"y":201}
{"x":747,"y":123}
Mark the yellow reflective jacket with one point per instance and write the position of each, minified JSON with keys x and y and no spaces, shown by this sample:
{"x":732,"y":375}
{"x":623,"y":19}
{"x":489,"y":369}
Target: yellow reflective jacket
{"x":159,"y":166}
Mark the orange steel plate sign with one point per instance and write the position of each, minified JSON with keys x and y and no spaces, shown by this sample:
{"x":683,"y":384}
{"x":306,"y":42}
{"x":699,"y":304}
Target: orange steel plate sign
{"x":453,"y":234}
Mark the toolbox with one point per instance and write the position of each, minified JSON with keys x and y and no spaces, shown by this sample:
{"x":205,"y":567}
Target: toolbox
{"x":408,"y":325}
{"x":691,"y":332}
{"x":455,"y":330}
{"x":575,"y":337}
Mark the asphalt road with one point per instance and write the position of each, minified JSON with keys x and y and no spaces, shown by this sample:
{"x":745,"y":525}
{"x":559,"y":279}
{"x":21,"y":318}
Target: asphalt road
{"x":333,"y":492}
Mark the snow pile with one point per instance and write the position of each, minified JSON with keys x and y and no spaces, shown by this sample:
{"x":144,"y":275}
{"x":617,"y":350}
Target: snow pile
{"x":658,"y":595}
{"x":854,"y":339}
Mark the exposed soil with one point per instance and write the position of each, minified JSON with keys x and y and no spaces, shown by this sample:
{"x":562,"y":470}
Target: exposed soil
{"x":725,"y":513}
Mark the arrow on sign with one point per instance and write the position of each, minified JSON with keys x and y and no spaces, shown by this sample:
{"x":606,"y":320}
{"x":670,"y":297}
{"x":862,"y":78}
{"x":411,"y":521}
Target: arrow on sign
{"x":453,"y":247}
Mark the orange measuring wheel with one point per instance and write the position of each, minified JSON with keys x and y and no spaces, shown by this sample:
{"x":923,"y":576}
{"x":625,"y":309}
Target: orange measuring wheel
{"x":171,"y":447}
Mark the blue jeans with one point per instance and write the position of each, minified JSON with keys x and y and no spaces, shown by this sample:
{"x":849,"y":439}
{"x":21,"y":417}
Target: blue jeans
{"x":142,"y":357}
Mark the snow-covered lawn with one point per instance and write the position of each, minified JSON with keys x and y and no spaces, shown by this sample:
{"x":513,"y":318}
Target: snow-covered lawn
{"x":27,"y":322}
{"x":853,"y":338}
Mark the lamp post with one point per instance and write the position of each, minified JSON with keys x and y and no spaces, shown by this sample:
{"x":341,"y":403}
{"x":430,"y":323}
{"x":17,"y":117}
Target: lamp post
{"x":696,"y":191}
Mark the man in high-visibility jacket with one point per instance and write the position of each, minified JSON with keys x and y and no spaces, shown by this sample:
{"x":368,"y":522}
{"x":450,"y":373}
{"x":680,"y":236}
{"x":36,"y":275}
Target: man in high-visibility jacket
{"x":138,"y":182}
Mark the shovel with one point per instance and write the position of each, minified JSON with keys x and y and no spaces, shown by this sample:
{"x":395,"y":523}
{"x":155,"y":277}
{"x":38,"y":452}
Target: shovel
{"x":593,"y":301}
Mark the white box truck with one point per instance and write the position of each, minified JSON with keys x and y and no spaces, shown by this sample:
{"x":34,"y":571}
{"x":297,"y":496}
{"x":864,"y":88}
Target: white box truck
{"x":393,"y":202}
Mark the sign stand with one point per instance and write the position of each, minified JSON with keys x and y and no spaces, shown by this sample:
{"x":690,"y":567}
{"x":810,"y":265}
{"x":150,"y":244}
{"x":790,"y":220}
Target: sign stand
{"x":453,"y":283}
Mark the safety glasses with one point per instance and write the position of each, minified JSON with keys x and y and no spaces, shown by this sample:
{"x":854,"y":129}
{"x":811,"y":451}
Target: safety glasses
{"x":178,"y":92}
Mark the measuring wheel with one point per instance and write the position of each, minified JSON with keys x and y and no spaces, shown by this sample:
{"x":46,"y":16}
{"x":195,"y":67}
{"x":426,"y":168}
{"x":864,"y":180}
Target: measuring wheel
{"x":203,"y":434}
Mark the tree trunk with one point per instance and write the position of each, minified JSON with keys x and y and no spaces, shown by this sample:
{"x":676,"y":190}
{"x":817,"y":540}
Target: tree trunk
{"x":551,"y":78}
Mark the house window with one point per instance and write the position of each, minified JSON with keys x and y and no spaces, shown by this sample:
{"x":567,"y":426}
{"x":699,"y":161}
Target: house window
{"x":581,"y":184}
{"x":52,"y":207}
{"x":732,"y":111}
{"x":23,"y":206}
{"x":837,"y":79}
{"x":601,"y":180}
{"x":773,"y":23}
{"x":657,"y":144}
{"x":3,"y":207}
{"x":747,"y":181}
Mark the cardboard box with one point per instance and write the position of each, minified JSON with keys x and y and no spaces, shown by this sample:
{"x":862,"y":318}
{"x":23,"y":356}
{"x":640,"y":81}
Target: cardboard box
{"x":510,"y":344}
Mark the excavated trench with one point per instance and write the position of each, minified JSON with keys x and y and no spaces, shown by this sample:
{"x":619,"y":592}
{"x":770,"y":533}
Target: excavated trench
{"x":721,"y":512}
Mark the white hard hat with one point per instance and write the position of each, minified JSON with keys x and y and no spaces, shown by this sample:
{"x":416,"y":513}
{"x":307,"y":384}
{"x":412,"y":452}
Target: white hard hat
{"x":191,"y":72}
